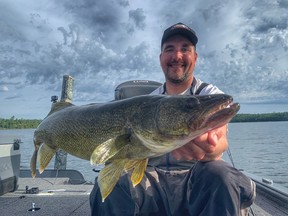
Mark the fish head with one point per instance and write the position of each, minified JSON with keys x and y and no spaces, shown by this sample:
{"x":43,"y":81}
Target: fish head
{"x":211,"y":112}
{"x":173,"y":121}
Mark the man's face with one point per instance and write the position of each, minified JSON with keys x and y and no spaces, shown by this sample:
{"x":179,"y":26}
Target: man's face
{"x":177,"y":59}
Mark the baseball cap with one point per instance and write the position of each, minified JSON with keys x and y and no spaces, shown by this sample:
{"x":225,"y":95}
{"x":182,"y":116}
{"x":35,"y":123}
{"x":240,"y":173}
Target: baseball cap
{"x":180,"y":29}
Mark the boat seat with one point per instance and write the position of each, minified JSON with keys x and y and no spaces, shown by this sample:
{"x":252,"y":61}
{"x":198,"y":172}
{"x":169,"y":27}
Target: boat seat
{"x":135,"y":88}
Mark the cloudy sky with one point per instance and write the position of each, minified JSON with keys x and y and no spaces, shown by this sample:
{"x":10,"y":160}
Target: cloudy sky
{"x":243,"y":49}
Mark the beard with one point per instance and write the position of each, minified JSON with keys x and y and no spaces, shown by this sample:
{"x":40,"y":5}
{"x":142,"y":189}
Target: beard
{"x":173,"y":78}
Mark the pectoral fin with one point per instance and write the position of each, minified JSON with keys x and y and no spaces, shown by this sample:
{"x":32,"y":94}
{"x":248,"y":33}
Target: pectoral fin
{"x":138,"y":172}
{"x":45,"y":155}
{"x":108,"y":149}
{"x":130,"y":164}
{"x":109,"y":176}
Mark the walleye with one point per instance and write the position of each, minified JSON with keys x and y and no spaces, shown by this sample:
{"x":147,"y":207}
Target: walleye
{"x":124,"y":134}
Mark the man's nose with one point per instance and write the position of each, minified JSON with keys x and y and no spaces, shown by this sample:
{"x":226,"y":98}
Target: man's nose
{"x":177,"y":54}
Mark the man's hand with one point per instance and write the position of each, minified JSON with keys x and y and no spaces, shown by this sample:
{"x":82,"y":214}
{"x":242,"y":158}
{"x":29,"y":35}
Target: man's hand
{"x":206,"y":147}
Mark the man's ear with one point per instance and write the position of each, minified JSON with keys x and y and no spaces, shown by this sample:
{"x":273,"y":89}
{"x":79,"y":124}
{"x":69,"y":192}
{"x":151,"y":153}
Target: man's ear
{"x":196,"y":56}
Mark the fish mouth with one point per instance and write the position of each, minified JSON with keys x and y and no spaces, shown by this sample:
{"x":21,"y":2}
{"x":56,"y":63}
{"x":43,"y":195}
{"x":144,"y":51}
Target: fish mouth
{"x":222,"y":115}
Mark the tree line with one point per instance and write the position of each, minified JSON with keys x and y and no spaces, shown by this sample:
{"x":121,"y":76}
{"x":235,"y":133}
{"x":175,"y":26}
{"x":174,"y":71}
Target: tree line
{"x":14,"y":123}
{"x":282,"y":116}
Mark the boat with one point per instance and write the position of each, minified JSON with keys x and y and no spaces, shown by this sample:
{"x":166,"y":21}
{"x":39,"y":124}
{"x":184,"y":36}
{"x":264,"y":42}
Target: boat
{"x":66,"y":192}
{"x":271,"y":199}
{"x":9,"y":165}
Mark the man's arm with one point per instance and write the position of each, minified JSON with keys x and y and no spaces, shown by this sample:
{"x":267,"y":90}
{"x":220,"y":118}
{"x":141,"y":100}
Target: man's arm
{"x":207,"y":147}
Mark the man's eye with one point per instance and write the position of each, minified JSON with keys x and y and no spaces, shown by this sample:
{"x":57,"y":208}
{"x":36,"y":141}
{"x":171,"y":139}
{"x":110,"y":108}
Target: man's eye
{"x":185,"y":49}
{"x":168,"y":49}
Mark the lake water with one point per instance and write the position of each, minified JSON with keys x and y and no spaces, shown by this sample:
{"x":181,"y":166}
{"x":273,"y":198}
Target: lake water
{"x":258,"y":148}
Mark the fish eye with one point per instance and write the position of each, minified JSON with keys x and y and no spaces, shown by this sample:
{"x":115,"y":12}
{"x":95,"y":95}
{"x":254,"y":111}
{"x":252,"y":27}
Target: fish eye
{"x":191,"y":102}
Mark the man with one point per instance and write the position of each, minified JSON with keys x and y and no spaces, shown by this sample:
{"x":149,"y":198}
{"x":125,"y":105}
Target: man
{"x":191,"y":180}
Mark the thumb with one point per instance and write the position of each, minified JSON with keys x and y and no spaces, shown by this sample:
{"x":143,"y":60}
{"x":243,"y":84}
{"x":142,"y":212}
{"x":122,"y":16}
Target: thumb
{"x":213,"y":138}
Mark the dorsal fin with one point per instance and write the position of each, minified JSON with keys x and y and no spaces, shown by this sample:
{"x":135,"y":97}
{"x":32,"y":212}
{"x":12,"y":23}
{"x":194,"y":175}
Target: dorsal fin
{"x":59,"y":106}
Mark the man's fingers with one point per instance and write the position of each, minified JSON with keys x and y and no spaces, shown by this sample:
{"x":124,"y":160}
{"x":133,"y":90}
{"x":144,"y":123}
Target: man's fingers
{"x":204,"y":146}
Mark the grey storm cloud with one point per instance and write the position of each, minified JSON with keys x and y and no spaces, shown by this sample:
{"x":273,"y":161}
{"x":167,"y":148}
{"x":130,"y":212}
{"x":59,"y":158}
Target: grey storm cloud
{"x":111,"y":21}
{"x":242,"y":45}
{"x":138,"y":17}
{"x":46,"y":63}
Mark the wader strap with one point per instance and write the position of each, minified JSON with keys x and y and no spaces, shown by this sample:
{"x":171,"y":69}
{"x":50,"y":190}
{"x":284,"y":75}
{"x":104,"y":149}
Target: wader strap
{"x":202,"y":86}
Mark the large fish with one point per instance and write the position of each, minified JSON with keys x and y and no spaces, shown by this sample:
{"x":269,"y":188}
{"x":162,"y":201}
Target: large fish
{"x":124,"y":134}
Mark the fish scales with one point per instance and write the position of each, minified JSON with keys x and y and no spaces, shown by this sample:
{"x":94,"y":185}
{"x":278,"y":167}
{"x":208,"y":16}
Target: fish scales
{"x":125,"y":134}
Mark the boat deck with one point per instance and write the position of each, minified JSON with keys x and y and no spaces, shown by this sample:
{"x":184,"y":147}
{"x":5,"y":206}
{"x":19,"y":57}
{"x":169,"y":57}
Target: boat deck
{"x":55,"y":197}
{"x":68,"y":196}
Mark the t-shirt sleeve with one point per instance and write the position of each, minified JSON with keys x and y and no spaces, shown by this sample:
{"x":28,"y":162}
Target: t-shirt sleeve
{"x":211,"y":89}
